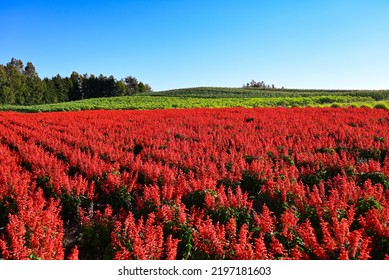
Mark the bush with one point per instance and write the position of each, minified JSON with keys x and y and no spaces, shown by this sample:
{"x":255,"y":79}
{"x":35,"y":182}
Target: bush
{"x":365,"y":105}
{"x":381,"y":106}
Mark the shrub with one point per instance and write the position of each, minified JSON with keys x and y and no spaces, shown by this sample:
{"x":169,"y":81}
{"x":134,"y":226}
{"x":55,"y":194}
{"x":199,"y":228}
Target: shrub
{"x":381,"y":106}
{"x":336,"y":105}
{"x":365,"y":105}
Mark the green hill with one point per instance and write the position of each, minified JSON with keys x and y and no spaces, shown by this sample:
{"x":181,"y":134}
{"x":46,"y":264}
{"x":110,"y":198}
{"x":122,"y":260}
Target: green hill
{"x":212,"y":97}
{"x":217,"y":92}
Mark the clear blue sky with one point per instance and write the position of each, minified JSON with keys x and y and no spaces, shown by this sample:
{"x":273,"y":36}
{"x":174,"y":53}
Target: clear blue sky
{"x":175,"y":44}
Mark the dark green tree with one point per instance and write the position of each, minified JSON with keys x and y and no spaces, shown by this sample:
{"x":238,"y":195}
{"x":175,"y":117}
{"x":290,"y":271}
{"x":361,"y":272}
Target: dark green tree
{"x":261,"y":85}
{"x":7,"y":96}
{"x":50,"y":94}
{"x":75,"y":92}
{"x":132,"y":84}
{"x":17,"y":64}
{"x":122,"y":89}
{"x":18,"y":85}
{"x":35,"y":87}
{"x":63,"y":87}
{"x":110,"y":88}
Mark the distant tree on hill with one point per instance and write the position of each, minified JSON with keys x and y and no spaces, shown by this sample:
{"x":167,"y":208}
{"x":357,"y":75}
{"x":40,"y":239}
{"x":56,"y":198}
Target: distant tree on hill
{"x":122,"y":88}
{"x":144,"y":87}
{"x":262,"y":85}
{"x":134,"y":86}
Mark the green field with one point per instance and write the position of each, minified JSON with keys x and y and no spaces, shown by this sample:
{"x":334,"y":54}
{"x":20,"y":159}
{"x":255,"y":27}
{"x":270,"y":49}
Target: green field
{"x":220,"y":98}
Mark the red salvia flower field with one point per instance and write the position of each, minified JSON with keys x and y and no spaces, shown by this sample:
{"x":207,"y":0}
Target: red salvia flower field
{"x":275,"y":183}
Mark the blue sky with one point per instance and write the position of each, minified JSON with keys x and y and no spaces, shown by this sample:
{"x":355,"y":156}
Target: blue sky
{"x":329,"y":44}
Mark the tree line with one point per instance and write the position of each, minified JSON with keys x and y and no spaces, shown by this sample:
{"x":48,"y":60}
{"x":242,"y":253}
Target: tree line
{"x":21,"y":85}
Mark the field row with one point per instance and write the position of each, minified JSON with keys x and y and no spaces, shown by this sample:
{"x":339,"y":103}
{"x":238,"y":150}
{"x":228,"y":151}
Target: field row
{"x":146,"y":102}
{"x":275,"y":183}
{"x":250,"y":92}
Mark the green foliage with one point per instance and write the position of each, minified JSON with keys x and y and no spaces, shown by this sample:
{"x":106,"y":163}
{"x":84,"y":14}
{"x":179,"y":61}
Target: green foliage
{"x":365,"y":105}
{"x":370,"y":153}
{"x":375,"y":178}
{"x":21,"y":85}
{"x":196,"y":198}
{"x":251,"y":183}
{"x":325,"y":96}
{"x":7,"y":206}
{"x":97,"y":239}
{"x":381,"y":106}
{"x":149,"y":102}
{"x":118,"y":199}
{"x":70,"y":204}
{"x":365,"y":204}
{"x":224,"y":214}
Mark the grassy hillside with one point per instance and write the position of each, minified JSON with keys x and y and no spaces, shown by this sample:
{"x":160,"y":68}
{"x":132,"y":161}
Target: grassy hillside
{"x":218,"y":92}
{"x":218,"y":98}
